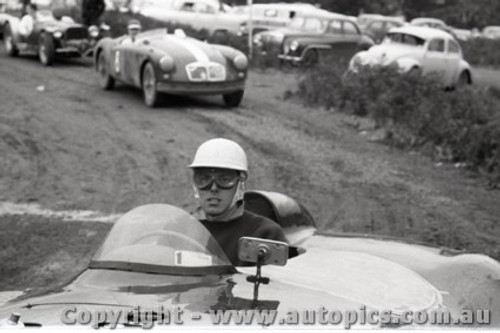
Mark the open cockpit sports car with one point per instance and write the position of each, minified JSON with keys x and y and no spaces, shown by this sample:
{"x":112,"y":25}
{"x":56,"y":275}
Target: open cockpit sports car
{"x":159,"y":62}
{"x":51,"y":37}
{"x":157,"y":258}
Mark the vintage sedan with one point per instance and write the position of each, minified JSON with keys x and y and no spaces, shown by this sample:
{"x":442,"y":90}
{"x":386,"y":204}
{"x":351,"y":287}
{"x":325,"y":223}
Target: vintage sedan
{"x":160,"y":266}
{"x":211,"y":15}
{"x":268,"y":16}
{"x":311,"y":34}
{"x":50,"y":38}
{"x":422,"y":49}
{"x":491,"y":32}
{"x":159,"y":62}
{"x":377,"y":26}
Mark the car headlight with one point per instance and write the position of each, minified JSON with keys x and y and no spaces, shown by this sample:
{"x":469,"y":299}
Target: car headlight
{"x":240,"y":62}
{"x":93,"y":31}
{"x":167,"y":64}
{"x":294,"y":45}
{"x":57,"y":34}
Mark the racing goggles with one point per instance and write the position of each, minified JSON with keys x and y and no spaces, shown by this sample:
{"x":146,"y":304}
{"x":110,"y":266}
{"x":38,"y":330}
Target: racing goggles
{"x":204,"y":179}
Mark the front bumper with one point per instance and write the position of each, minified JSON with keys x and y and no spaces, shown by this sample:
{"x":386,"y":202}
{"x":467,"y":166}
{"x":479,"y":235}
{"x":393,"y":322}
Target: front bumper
{"x":74,"y":46}
{"x":202,"y":88}
{"x":294,"y":59}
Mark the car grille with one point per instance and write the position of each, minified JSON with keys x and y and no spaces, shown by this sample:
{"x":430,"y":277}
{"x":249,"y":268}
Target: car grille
{"x":206,"y":72}
{"x":76,"y":33}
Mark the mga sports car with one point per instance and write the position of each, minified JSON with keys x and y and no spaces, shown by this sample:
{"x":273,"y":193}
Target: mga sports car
{"x":159,"y":62}
{"x":158,"y":257}
{"x":50,"y":37}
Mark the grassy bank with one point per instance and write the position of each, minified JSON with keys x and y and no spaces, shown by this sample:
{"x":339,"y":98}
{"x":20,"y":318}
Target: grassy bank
{"x":38,"y":252}
{"x":460,"y":126}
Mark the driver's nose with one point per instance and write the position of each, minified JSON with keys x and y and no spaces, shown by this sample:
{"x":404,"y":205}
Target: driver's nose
{"x":214,"y":187}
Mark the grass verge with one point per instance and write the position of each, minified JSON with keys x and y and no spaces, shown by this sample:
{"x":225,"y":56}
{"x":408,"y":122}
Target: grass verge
{"x":461,"y":126}
{"x":37,"y":251}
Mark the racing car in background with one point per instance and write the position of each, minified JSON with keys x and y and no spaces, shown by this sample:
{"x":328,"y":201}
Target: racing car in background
{"x":160,"y":256}
{"x":50,"y":38}
{"x":159,"y":62}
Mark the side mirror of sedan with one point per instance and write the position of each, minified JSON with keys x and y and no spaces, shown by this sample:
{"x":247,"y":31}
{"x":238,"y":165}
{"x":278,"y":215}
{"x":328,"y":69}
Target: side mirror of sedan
{"x":262,"y":251}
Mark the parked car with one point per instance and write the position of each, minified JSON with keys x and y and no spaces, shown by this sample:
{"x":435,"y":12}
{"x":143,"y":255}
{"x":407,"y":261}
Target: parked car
{"x":158,"y":260}
{"x":309,"y":35}
{"x":462,"y":34}
{"x":491,"y":32}
{"x":427,"y":50}
{"x":429,"y":22}
{"x":210,"y":15}
{"x":377,"y":26}
{"x":158,"y":62}
{"x":273,"y":15}
{"x":50,"y":38}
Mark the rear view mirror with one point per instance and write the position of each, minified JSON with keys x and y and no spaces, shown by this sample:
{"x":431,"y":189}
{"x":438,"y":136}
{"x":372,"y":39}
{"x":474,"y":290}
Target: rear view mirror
{"x":262,"y":251}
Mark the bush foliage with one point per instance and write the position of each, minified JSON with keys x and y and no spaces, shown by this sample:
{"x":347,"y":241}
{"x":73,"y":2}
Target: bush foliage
{"x":482,"y":52}
{"x":463,"y":123}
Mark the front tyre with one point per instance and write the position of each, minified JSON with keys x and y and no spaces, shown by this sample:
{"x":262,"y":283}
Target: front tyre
{"x":150,"y":94}
{"x":46,"y":50}
{"x":8,"y":40}
{"x":106,"y":81}
{"x":233,"y":99}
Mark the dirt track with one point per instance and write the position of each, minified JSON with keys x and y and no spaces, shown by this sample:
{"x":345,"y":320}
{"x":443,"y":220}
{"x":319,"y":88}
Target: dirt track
{"x":74,"y":146}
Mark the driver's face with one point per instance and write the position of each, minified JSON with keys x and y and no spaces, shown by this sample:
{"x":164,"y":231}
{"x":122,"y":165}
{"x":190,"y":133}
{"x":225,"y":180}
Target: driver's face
{"x":214,"y":200}
{"x":31,"y":12}
{"x":133,"y":32}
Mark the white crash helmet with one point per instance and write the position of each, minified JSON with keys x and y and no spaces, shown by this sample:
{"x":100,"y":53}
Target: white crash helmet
{"x":220,"y":153}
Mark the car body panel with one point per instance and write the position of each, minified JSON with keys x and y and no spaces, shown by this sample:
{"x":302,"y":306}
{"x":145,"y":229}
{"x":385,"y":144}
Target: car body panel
{"x":337,"y":271}
{"x":126,"y":61}
{"x":438,"y":53}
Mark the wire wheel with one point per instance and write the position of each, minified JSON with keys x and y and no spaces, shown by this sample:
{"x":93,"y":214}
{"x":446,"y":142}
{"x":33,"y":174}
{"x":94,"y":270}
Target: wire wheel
{"x":150,"y":94}
{"x":106,"y":81}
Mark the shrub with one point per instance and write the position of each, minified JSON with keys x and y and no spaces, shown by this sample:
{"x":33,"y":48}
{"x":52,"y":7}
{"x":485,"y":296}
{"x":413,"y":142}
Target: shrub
{"x":482,"y":52}
{"x":415,"y":110}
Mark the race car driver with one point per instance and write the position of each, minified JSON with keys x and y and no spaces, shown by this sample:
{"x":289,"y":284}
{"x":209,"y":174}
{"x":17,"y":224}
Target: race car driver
{"x":28,"y":20}
{"x":134,"y":28}
{"x":220,"y":170}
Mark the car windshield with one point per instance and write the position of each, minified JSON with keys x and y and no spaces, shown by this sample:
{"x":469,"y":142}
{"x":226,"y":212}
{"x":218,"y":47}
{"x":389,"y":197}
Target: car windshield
{"x":161,"y":238}
{"x":401,"y":38}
